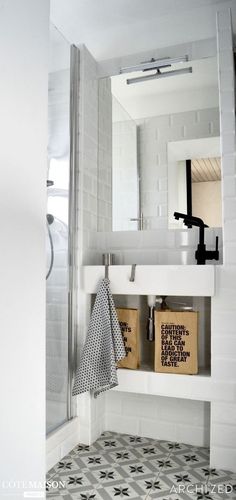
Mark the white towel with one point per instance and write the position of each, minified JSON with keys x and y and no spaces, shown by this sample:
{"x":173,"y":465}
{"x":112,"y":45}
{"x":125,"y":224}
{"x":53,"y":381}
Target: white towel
{"x":104,"y":346}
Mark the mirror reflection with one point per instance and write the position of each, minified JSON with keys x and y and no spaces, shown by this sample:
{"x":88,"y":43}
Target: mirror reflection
{"x":206,"y":190}
{"x":165,"y":146}
{"x":194,"y":180}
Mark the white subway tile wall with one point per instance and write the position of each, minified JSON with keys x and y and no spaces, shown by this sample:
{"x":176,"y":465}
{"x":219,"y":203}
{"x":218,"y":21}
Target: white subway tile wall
{"x":94,"y":161}
{"x":223,"y":423}
{"x":164,"y":246}
{"x":178,"y":420}
{"x":154,"y":135}
{"x":104,"y":189}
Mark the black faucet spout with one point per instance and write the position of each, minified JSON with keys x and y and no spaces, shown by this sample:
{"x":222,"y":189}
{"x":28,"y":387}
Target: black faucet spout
{"x":190,"y":219}
{"x":201,"y":253}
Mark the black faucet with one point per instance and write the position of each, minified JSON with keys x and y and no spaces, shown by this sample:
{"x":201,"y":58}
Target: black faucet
{"x":201,"y":254}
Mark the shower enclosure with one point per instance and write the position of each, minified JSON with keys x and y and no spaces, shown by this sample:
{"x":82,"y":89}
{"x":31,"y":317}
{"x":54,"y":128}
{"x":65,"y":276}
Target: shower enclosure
{"x":60,"y":230}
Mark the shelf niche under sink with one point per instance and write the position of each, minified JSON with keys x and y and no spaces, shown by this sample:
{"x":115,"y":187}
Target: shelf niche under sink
{"x":200,"y":304}
{"x":145,"y":380}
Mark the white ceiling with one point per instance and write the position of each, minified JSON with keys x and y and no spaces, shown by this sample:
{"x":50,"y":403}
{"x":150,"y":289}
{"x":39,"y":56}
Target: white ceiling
{"x":113,"y":28}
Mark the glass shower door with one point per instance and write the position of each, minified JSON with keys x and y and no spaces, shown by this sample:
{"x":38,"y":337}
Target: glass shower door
{"x":57,"y":284}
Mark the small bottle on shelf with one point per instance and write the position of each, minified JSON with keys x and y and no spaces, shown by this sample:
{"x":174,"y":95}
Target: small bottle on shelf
{"x":152,"y":300}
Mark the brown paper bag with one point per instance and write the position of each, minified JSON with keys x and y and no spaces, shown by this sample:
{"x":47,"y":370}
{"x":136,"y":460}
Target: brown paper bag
{"x":176,"y":344}
{"x":129,"y":323}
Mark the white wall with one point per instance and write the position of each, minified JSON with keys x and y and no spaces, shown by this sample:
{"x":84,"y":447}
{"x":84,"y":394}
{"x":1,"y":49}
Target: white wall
{"x":178,"y":101}
{"x":223,"y":414}
{"x":124,"y":176}
{"x":24,"y":28}
{"x":207,"y":203}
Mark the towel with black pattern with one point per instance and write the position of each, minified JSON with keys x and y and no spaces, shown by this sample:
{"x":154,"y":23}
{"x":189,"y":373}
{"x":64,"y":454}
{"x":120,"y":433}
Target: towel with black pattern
{"x":103,"y":348}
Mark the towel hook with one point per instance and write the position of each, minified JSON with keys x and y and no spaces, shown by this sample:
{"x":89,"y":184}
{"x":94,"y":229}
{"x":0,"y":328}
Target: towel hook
{"x":107,"y":271}
{"x":133,"y":269}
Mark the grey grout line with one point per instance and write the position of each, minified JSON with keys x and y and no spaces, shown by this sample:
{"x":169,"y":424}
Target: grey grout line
{"x":161,"y":469}
{"x":158,"y":475}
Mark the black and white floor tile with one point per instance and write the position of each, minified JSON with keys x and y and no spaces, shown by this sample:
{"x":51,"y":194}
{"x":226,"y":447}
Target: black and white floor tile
{"x":120,"y":466}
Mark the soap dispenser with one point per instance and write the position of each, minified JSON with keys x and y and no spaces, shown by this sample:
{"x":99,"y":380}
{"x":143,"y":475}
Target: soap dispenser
{"x":150,"y":320}
{"x":152,"y":299}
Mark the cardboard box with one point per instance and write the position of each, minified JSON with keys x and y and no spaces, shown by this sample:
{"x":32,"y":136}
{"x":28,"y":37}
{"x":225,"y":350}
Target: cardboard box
{"x":129,"y":323}
{"x":176,"y":342}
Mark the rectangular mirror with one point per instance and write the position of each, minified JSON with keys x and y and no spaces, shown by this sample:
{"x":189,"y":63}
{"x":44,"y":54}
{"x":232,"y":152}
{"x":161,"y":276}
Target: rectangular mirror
{"x":160,"y":119}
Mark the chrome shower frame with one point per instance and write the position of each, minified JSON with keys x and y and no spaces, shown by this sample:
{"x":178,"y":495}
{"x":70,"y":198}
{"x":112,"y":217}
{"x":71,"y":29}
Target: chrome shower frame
{"x":72,"y":227}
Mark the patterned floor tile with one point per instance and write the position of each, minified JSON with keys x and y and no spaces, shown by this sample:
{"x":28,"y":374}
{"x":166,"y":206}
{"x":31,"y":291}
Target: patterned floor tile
{"x":90,"y":494}
{"x":191,"y":459}
{"x":107,"y":475}
{"x":92,"y":461}
{"x":122,"y":490}
{"x":182,"y":477}
{"x":66,"y":465}
{"x":55,"y":485}
{"x":137,"y":470}
{"x":174,"y":447}
{"x":155,"y":485}
{"x":147,"y":450}
{"x":54,"y":497}
{"x":51,"y":472}
{"x":121,"y":466}
{"x":223,"y":486}
{"x":53,"y":494}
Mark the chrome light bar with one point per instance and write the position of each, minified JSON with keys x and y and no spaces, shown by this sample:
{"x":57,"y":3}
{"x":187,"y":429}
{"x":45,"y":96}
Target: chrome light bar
{"x":158,"y":75}
{"x":153,"y":64}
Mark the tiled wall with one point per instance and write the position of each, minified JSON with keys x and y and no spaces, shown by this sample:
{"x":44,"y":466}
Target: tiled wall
{"x":164,"y":246}
{"x":57,"y":330}
{"x":95,"y":148}
{"x":104,"y":198}
{"x":90,"y":194}
{"x":88,"y":145}
{"x":178,"y":420}
{"x":223,"y":415}
{"x":154,"y":135}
